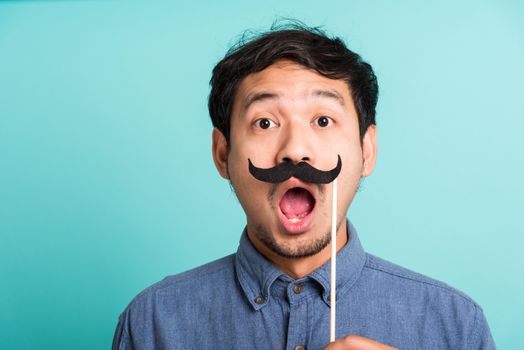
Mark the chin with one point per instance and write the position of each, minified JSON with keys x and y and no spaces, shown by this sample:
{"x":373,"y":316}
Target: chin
{"x":295,"y":246}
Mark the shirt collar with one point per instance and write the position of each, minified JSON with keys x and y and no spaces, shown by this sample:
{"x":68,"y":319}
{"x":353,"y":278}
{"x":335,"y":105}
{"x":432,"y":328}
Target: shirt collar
{"x":256,"y":274}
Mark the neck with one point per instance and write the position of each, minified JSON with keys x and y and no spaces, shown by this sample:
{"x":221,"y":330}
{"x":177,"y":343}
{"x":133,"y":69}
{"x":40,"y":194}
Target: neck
{"x":300,"y":267}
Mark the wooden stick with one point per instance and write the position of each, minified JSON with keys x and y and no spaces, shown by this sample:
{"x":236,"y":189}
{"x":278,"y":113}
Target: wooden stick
{"x":333,"y":276}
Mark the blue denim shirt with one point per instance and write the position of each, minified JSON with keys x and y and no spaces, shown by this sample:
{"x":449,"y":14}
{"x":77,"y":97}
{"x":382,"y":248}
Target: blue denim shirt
{"x":242,"y":301}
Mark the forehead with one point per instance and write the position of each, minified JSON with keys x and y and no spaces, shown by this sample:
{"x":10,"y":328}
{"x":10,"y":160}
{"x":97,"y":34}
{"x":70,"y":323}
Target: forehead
{"x":287,"y":80}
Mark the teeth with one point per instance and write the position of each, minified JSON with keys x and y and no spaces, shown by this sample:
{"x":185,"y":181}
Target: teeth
{"x":294,"y":220}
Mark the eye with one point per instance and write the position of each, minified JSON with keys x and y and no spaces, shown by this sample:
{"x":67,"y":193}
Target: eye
{"x":323,"y":121}
{"x":265,"y":123}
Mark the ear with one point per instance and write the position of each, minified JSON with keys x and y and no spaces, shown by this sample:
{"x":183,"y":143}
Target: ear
{"x":369,"y":150}
{"x":220,"y":152}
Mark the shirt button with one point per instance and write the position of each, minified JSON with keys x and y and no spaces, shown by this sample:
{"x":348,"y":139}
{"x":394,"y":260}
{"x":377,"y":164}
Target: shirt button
{"x":300,"y":347}
{"x":297,"y":288}
{"x":260,"y":300}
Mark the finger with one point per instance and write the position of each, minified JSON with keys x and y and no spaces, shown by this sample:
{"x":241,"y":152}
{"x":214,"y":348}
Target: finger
{"x":355,"y":342}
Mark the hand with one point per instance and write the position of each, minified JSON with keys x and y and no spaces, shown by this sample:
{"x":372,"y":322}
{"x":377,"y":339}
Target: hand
{"x":355,"y":342}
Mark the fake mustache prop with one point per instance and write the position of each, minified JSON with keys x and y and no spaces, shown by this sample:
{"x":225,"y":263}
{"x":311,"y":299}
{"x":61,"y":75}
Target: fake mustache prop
{"x":302,"y":171}
{"x":308,"y":173}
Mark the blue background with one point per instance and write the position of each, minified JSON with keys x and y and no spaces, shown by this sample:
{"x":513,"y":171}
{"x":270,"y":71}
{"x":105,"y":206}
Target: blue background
{"x":107,"y":183}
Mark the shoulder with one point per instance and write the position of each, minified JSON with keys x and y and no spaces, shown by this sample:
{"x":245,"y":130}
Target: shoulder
{"x":423,"y":298}
{"x":176,"y":293}
{"x":413,"y":284}
{"x":409,"y":290}
{"x":195,"y":279}
{"x":409,"y":278}
{"x":169,"y":302}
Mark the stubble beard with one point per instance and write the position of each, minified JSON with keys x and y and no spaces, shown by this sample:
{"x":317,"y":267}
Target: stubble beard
{"x":293,"y":252}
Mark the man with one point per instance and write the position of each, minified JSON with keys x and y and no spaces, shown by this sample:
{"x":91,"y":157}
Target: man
{"x":295,"y":96}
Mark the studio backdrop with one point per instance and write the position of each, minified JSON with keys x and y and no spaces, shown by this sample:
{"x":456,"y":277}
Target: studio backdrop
{"x":107,"y":184}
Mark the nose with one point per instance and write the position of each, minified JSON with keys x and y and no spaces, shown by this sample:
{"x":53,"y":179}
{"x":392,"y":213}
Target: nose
{"x":295,"y":145}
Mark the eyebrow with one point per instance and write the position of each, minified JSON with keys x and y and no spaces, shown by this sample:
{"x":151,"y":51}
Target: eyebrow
{"x":259,"y":96}
{"x":264,"y":96}
{"x":333,"y":94}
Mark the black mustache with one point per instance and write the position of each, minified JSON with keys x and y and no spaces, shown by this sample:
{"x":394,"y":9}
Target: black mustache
{"x":303,"y":171}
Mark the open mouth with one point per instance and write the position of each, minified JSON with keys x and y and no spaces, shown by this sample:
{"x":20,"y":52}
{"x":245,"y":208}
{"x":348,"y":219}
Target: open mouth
{"x":296,"y":206}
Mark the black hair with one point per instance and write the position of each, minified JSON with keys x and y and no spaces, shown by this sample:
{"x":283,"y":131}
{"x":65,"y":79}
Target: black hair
{"x":294,"y":41}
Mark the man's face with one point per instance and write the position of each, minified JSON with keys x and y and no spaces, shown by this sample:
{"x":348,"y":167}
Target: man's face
{"x":290,"y":113}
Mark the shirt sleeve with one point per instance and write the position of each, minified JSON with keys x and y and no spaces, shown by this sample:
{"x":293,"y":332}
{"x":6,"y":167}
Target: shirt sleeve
{"x":482,"y":339}
{"x":121,"y":339}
